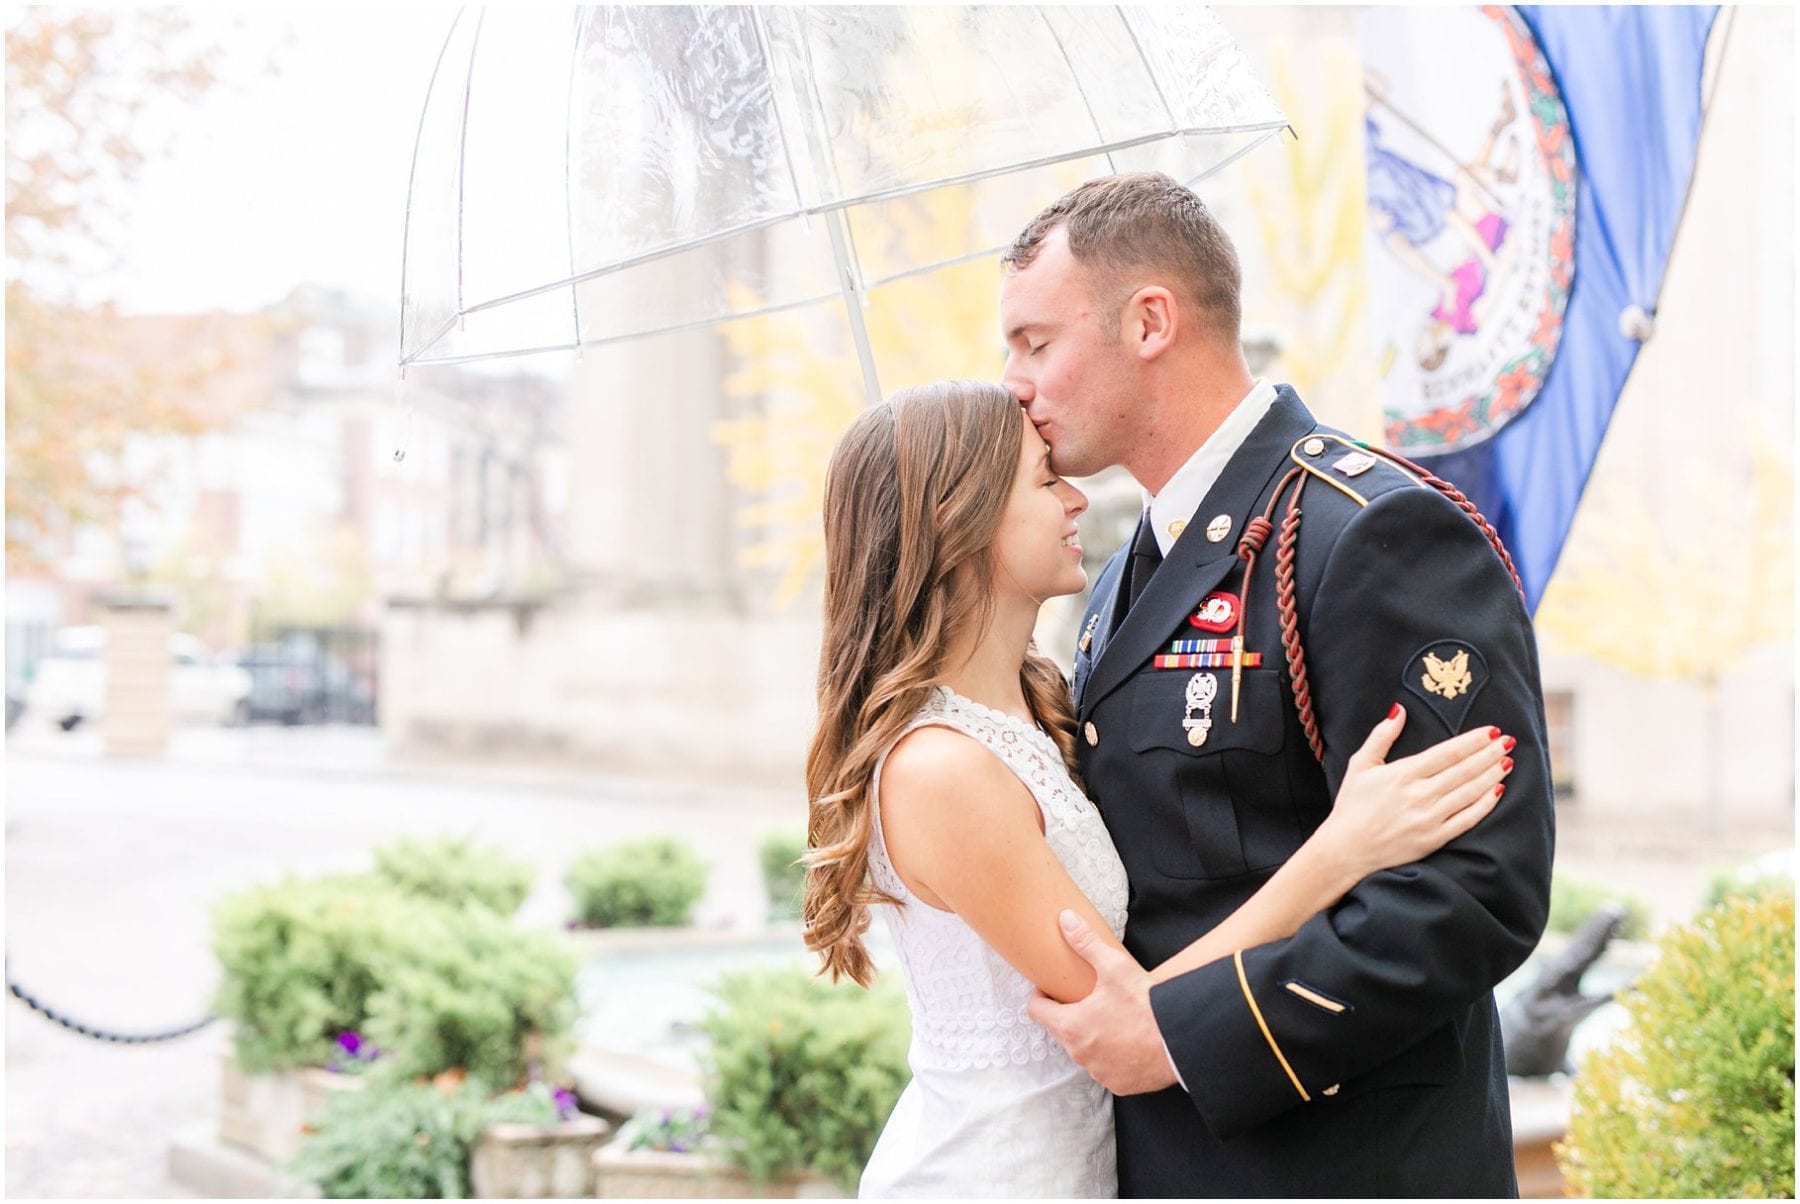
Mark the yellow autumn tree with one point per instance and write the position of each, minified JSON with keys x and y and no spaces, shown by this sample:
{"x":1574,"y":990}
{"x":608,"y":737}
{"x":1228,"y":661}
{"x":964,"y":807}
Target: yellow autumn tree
{"x":1310,"y":213}
{"x":1627,"y":581}
{"x":80,"y":83}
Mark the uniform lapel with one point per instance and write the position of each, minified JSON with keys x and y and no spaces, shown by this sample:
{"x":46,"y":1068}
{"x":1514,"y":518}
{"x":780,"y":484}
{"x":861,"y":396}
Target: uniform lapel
{"x":1099,"y":618}
{"x":1196,"y":565}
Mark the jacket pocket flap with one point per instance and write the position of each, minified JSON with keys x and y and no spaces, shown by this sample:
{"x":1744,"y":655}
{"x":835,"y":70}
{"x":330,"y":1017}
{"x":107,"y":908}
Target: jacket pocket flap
{"x":1182,"y":710}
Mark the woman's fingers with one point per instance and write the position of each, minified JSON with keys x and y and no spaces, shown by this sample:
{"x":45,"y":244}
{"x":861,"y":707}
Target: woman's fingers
{"x":1381,"y":739}
{"x":1476,"y":763}
{"x":1445,"y":753}
{"x":1466,"y":805}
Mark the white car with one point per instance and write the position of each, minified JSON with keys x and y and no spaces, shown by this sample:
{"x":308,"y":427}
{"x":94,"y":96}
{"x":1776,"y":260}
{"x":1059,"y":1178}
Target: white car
{"x":69,"y":685}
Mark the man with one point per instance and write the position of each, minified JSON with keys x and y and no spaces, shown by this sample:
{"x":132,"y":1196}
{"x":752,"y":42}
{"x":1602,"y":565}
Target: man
{"x":1361,"y":1056}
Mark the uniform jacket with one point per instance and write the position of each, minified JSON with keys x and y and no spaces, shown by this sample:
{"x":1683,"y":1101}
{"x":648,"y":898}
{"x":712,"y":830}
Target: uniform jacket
{"x":1360,"y":1056}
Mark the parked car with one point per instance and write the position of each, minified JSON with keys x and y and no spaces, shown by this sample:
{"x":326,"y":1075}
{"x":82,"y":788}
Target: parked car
{"x":300,"y":683}
{"x":69,"y":683}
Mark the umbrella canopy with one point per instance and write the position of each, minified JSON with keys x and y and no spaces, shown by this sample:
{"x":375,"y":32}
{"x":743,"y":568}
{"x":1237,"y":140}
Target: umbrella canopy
{"x":626,"y":171}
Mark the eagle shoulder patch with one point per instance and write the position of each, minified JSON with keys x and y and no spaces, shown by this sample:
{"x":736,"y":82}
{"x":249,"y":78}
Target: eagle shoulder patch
{"x":1447,"y":675}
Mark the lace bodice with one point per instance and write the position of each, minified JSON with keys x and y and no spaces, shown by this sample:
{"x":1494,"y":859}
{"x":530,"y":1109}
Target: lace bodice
{"x":968,"y":1004}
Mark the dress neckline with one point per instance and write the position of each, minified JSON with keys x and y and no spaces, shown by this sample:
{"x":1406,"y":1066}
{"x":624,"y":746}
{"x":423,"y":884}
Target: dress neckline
{"x":1005,"y":718}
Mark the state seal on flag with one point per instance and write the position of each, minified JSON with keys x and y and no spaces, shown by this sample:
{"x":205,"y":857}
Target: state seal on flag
{"x":1471,"y":205}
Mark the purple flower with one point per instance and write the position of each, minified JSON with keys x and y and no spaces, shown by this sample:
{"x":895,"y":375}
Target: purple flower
{"x":350,"y":1043}
{"x":566,"y":1106}
{"x":678,"y":1147}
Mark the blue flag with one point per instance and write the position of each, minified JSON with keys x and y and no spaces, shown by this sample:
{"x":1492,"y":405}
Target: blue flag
{"x":1524,"y":189}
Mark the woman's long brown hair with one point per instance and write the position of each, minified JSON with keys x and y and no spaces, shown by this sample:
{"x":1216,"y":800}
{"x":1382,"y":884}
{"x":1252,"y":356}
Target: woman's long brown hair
{"x":913,"y":498}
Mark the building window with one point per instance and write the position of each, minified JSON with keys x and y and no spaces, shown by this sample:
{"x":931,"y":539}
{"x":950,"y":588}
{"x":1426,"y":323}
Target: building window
{"x":1559,"y":723}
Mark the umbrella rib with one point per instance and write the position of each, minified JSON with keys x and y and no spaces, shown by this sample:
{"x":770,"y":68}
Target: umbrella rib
{"x":787,"y":147}
{"x":1074,"y":75}
{"x":1156,"y":83}
{"x":412,"y":176}
{"x":462,"y":155}
{"x":1262,"y":137}
{"x":581,"y":21}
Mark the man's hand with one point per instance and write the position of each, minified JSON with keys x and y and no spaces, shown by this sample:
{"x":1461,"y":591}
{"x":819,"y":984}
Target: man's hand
{"x":1112,"y":1033}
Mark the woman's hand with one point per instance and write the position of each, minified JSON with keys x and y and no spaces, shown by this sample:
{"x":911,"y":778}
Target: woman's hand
{"x":1392,"y":813}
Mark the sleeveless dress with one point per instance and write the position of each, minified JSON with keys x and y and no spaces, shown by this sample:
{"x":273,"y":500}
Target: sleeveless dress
{"x":995,"y":1106}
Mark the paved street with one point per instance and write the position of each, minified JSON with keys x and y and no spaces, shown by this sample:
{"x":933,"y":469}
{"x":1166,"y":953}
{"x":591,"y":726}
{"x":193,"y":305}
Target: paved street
{"x":111,"y":867}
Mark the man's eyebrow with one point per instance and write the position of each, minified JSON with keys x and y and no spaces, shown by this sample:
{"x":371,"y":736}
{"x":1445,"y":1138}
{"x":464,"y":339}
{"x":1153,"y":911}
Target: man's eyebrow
{"x":1020,"y":330}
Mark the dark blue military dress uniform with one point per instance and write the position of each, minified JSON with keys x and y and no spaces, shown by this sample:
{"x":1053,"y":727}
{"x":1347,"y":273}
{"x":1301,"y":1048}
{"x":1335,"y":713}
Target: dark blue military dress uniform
{"x":1361,"y":1056}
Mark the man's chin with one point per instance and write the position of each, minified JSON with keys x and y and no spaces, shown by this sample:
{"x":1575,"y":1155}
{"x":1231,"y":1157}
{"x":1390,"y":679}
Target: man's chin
{"x":1072,"y":464}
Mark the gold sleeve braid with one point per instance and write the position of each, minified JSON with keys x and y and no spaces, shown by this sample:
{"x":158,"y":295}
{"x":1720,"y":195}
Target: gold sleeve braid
{"x":1237,"y":959}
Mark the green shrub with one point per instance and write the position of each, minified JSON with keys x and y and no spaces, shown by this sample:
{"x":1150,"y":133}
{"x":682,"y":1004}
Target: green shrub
{"x":404,"y":1141}
{"x":646,"y":882}
{"x":783,"y":875}
{"x":300,"y":961}
{"x":1748,"y":882}
{"x":1573,"y":900}
{"x":433,"y":987}
{"x":474,"y":992}
{"x":802,"y":1074}
{"x":1696,"y":1097}
{"x":455,"y":872}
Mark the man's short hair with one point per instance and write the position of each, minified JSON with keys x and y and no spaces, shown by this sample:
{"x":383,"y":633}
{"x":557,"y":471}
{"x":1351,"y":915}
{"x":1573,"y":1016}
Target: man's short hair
{"x":1118,"y":224}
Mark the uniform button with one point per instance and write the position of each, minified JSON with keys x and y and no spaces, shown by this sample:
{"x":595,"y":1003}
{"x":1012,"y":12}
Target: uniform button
{"x":1332,"y":1090}
{"x":1092,"y":733}
{"x":1219,"y":527}
{"x":1314,"y":447}
{"x":1177,"y":527}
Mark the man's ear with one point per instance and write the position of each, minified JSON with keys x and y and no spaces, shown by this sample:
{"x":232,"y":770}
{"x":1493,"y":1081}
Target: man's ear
{"x":1151,"y":321}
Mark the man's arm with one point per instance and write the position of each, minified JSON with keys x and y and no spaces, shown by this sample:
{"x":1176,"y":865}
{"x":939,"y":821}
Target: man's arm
{"x":1413,"y":603}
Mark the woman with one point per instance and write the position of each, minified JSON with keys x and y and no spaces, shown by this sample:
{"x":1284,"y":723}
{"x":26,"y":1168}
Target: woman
{"x":943,"y":791}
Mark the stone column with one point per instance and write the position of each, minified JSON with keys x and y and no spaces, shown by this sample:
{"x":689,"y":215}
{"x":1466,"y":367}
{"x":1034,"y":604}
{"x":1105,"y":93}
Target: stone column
{"x":135,"y":714}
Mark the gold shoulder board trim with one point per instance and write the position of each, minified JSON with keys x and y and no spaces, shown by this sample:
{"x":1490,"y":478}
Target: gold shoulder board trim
{"x":1307,"y":463}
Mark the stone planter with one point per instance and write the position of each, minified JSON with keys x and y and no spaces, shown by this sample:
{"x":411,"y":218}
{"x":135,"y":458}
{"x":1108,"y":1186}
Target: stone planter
{"x":620,"y":1173}
{"x":1540,"y":1119}
{"x":266,"y":1114}
{"x":537,"y":1162}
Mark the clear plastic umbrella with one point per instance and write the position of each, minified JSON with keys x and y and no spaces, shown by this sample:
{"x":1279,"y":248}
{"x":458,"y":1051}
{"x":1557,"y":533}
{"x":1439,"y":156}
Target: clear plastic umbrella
{"x":614,"y":172}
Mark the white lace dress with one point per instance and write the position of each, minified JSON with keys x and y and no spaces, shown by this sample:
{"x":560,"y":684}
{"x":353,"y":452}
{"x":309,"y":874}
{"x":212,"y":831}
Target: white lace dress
{"x":995,"y":1107}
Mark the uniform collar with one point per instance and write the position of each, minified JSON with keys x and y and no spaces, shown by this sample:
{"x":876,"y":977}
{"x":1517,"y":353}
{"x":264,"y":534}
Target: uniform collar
{"x":1193,"y":480}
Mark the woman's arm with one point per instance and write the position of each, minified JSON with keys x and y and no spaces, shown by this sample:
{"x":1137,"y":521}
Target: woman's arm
{"x":965,"y":835}
{"x":1384,"y":815}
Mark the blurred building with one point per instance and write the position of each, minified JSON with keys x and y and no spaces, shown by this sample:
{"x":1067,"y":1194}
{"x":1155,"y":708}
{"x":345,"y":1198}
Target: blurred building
{"x":291,"y":509}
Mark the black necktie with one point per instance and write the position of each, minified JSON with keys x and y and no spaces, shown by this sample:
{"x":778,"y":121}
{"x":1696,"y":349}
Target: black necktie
{"x":1145,"y":556}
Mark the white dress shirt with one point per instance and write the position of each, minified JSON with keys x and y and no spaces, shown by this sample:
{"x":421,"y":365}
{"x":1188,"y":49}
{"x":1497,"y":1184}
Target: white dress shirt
{"x":1171,"y":509}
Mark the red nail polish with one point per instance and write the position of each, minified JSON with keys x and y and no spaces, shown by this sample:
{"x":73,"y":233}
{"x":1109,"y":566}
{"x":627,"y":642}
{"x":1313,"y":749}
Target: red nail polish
{"x":1510,"y":744}
{"x":1393,"y":710}
{"x":1493,"y":733}
{"x":1506,"y":765}
{"x":1499,"y":790}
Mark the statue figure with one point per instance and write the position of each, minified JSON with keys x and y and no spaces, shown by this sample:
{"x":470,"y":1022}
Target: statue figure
{"x":1537,"y":1024}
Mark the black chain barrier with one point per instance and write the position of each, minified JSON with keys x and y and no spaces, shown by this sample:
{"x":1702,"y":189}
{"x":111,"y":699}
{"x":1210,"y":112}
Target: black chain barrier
{"x":98,"y":1034}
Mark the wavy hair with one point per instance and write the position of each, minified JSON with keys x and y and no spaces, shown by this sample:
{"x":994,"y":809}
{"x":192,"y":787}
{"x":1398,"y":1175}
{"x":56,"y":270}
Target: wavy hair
{"x":913,"y":498}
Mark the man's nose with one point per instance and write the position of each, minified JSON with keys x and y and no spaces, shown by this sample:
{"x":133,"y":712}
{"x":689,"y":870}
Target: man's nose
{"x":1017,"y":383}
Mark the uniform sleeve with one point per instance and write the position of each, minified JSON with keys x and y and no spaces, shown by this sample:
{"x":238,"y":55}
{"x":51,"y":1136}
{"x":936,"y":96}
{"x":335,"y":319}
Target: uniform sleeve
{"x":1413,"y":606}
